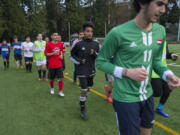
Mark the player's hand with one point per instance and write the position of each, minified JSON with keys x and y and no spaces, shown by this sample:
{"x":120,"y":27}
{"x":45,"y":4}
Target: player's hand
{"x":174,"y":56}
{"x":173,"y":81}
{"x":92,"y":51}
{"x":83,"y":61}
{"x":61,"y":57}
{"x":137,"y":74}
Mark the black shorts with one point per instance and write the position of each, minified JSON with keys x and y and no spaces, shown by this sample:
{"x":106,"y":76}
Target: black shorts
{"x":159,"y":86}
{"x":6,"y":57}
{"x":86,"y":82}
{"x":132,"y":116}
{"x":17,"y":57}
{"x":28,"y":59}
{"x":55,"y":72}
{"x":63,"y":64}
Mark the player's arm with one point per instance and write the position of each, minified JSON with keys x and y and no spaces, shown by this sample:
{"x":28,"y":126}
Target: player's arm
{"x":110,"y":45}
{"x":94,"y":52}
{"x":73,"y":55}
{"x":165,"y":73}
{"x":171,"y":55}
{"x":36,"y":49}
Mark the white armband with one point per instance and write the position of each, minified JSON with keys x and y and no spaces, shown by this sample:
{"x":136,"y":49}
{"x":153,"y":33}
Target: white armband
{"x":166,"y":73}
{"x":118,"y":72}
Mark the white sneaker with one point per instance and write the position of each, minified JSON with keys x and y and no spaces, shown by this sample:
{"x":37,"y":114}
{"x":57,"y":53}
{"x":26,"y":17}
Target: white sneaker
{"x":61,"y":94}
{"x":52,"y":91}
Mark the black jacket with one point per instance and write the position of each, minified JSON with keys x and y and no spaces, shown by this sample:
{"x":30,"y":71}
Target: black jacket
{"x":81,"y":50}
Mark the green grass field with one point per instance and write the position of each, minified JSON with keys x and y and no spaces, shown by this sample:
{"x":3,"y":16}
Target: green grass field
{"x":27,"y":108}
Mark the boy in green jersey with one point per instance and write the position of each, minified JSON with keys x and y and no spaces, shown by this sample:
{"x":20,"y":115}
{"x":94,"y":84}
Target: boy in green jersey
{"x":137,"y":49}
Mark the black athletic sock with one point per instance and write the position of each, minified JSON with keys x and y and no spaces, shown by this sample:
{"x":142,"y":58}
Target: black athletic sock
{"x":4,"y":64}
{"x":44,"y":73}
{"x":39,"y":72}
{"x":7,"y":64}
{"x":30,"y":67}
{"x":82,"y":105}
{"x":27,"y":67}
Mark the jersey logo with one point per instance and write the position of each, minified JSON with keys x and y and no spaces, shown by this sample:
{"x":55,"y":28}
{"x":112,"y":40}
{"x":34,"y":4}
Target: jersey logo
{"x":133,"y":44}
{"x":159,"y":42}
{"x":83,"y":48}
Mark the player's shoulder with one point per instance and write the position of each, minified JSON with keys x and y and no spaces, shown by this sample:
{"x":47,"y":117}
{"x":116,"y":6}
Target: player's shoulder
{"x":158,"y":27}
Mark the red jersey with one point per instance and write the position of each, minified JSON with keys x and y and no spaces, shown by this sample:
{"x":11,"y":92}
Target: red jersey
{"x":63,"y":48}
{"x":54,"y":61}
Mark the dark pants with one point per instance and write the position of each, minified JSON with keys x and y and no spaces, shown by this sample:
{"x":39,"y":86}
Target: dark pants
{"x":160,"y":89}
{"x":132,"y":116}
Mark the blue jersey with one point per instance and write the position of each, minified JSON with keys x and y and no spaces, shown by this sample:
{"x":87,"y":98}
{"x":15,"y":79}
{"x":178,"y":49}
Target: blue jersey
{"x":17,"y":47}
{"x":5,"y":50}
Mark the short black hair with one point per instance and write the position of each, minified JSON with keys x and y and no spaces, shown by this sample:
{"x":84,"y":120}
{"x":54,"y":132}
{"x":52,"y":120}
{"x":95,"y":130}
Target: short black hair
{"x":80,"y":31}
{"x":15,"y":37}
{"x":27,"y":36}
{"x":54,"y":32}
{"x":88,"y":24}
{"x":4,"y":40}
{"x":136,"y":4}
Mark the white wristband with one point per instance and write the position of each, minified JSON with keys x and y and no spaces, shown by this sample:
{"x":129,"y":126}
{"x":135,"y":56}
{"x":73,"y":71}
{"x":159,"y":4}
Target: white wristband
{"x":166,"y":73}
{"x":118,"y":72}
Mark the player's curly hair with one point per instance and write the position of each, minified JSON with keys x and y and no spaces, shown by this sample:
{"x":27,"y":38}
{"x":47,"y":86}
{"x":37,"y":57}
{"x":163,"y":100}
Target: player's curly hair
{"x":136,"y":4}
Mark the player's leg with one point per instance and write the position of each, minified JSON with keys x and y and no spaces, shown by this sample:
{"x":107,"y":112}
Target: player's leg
{"x":147,"y":116}
{"x":20,"y":60}
{"x":84,"y":88}
{"x":128,"y":117}
{"x":44,"y":70}
{"x":90,"y":83}
{"x":51,"y":79}
{"x":108,"y":88}
{"x":30,"y":64}
{"x":38,"y":64}
{"x":26,"y":64}
{"x":165,"y":95}
{"x":63,"y":63}
{"x":60,"y":76}
{"x":74,"y":75}
{"x":16,"y":59}
{"x":7,"y":61}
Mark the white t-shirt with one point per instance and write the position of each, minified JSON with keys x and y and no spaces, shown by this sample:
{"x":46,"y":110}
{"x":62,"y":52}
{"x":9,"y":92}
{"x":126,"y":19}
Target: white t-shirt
{"x":27,"y":48}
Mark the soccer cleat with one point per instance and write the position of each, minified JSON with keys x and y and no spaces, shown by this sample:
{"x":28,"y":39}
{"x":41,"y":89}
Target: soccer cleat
{"x":45,"y":79}
{"x":106,"y":89}
{"x":161,"y":112}
{"x":61,"y":94}
{"x":21,"y":67}
{"x":74,"y":82}
{"x":109,"y":99}
{"x":84,"y":114}
{"x":52,"y":91}
{"x":40,"y":79}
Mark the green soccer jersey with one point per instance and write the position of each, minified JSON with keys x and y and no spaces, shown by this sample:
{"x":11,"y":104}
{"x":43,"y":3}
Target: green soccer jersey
{"x":133,"y":47}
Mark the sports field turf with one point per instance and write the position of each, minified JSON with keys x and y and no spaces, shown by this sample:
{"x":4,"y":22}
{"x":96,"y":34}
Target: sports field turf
{"x":27,"y":108}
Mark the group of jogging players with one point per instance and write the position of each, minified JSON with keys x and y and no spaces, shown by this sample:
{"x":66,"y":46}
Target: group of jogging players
{"x":133,"y":56}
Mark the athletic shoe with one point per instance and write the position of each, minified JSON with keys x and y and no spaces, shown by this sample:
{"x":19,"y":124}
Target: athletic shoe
{"x":40,"y":79}
{"x":21,"y":67}
{"x":84,"y":114}
{"x":61,"y":94}
{"x":45,"y":79}
{"x":161,"y":112}
{"x":109,"y":99}
{"x":74,"y":82}
{"x":52,"y":91}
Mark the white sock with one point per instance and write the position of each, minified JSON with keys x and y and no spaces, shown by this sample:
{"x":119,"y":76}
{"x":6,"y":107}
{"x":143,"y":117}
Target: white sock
{"x":17,"y":63}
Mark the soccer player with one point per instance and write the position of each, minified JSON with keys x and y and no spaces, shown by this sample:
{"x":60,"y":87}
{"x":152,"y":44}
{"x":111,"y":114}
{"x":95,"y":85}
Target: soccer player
{"x":108,"y":88}
{"x":63,"y":50}
{"x":5,"y":52}
{"x":137,"y":48}
{"x":39,"y":56}
{"x":83,"y":54}
{"x":160,"y":87}
{"x":27,"y":47}
{"x":17,"y":52}
{"x":80,"y":36}
{"x":55,"y":55}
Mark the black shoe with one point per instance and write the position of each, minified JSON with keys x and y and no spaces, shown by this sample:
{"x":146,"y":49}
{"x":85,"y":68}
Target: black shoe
{"x":84,"y":114}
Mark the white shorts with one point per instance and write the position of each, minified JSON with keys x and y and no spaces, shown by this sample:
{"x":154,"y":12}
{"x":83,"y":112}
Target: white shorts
{"x":109,"y":78}
{"x":40,"y":62}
